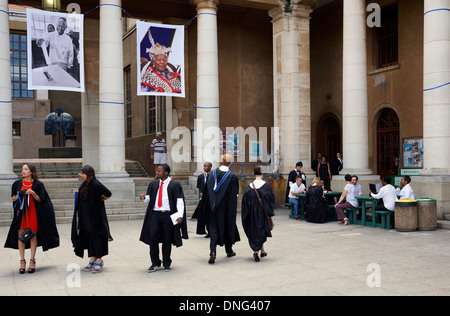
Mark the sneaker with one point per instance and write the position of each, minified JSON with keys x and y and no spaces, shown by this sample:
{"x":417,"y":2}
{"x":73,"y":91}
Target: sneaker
{"x":167,"y":269}
{"x":153,"y":268}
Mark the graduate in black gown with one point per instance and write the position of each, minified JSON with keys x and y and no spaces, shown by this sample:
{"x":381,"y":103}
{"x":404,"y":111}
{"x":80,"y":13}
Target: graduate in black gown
{"x":257,"y":212}
{"x":200,"y":213}
{"x":298,"y":171}
{"x":90,"y":227}
{"x":316,"y":204}
{"x":222,"y":191}
{"x":165,"y":218}
{"x":47,"y":236}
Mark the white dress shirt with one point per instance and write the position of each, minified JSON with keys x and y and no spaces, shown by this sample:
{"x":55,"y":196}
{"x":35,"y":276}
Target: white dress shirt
{"x":405,"y":193}
{"x":387,"y":193}
{"x":165,"y":200}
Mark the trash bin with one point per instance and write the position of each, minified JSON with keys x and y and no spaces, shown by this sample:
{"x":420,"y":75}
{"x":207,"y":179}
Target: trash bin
{"x":406,"y":215}
{"x":426,"y":214}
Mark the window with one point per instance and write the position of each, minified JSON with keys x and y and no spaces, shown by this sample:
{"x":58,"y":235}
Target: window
{"x":155,"y":118}
{"x":129,"y":127}
{"x":16,"y":128}
{"x":387,"y":37}
{"x":19,"y":67}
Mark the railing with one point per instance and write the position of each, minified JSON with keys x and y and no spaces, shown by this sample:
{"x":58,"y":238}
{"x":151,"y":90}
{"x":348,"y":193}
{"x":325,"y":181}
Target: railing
{"x":269,"y":162}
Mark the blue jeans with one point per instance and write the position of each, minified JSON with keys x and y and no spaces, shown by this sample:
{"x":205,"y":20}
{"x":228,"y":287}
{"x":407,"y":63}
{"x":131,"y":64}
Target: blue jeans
{"x":295,"y":202}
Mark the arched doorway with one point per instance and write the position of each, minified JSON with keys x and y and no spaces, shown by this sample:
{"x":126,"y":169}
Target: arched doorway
{"x":388,"y":143}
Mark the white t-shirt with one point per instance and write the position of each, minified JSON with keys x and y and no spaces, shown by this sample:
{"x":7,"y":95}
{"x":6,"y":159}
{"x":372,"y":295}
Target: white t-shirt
{"x":350,"y":197}
{"x":295,"y":188}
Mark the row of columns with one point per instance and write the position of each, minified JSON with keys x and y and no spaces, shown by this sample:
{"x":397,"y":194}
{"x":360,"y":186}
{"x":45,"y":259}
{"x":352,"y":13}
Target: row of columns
{"x":292,"y":106}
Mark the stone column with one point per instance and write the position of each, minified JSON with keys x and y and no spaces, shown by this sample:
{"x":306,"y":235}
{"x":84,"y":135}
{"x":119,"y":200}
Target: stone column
{"x":292,"y":96}
{"x":436,"y":83}
{"x":434,"y":180}
{"x":6,"y":143}
{"x":7,"y":175}
{"x":355,"y":136}
{"x":111,"y":106}
{"x":207,"y":122}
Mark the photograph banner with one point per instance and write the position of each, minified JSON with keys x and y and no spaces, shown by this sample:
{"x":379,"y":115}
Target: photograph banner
{"x":160,"y":59}
{"x":55,"y":51}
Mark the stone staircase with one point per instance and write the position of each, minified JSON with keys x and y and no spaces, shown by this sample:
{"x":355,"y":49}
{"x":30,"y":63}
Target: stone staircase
{"x":70,"y":169}
{"x":61,"y":182}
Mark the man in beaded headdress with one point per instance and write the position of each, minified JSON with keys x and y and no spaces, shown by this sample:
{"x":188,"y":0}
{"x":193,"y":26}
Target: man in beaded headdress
{"x":158,"y":75}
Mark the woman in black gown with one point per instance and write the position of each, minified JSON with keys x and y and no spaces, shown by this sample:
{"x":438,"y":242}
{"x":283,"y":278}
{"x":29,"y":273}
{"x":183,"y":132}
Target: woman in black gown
{"x":90,"y":229}
{"x":257,"y":211}
{"x":316,"y":204}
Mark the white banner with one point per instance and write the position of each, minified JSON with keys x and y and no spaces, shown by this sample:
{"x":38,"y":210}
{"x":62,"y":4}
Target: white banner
{"x":55,"y":51}
{"x":160,"y":59}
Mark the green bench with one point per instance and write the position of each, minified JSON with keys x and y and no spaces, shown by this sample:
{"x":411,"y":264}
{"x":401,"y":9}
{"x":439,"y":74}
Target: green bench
{"x":385,"y":219}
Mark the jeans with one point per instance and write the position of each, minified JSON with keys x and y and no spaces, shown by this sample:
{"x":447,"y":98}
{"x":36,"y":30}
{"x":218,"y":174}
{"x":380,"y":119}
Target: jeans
{"x":295,"y":202}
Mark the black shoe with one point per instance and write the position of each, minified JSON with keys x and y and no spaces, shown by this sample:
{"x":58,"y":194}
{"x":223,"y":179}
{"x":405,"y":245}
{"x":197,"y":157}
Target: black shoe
{"x":255,"y":255}
{"x":263,"y":254}
{"x":153,"y":268}
{"x":231,"y":254}
{"x":212,"y":258}
{"x":207,"y":236}
{"x":167,"y":269}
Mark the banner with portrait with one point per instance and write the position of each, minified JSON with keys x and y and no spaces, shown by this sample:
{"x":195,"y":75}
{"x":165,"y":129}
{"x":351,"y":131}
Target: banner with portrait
{"x":160,"y":59}
{"x":55,"y":51}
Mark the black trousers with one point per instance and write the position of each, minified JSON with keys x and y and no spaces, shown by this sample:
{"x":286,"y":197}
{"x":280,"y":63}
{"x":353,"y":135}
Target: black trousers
{"x":161,"y":230}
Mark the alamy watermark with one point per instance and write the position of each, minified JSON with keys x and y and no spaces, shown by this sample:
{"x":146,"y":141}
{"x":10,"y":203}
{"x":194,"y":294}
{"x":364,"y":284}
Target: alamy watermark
{"x":374,"y":278}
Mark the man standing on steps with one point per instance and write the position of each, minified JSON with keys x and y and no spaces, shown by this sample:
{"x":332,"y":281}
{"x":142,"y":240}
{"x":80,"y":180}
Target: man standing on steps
{"x":165,"y":219}
{"x":222,"y":189}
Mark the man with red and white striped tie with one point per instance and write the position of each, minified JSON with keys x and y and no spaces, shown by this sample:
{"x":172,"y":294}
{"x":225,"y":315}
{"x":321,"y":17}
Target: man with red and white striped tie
{"x":165,"y":218}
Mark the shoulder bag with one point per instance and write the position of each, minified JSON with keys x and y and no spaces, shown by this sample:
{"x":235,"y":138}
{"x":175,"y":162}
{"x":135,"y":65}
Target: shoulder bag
{"x":260,"y":202}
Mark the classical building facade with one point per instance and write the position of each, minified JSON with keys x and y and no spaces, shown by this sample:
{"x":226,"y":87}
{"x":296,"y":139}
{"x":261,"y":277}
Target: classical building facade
{"x":369,"y":79}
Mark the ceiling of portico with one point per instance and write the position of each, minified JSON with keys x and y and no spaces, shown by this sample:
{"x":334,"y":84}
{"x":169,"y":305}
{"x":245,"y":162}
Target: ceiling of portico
{"x":155,"y":8}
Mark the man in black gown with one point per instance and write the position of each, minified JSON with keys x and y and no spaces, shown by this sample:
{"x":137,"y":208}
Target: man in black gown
{"x":222,"y":191}
{"x":165,"y":219}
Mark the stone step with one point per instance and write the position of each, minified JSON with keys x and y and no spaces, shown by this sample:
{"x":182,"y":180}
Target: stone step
{"x":62,"y":193}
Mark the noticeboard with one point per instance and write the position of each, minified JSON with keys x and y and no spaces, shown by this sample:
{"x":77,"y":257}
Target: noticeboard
{"x":413,"y":152}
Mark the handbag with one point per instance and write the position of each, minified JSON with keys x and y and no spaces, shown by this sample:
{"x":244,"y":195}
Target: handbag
{"x":28,"y":234}
{"x":271,"y":225}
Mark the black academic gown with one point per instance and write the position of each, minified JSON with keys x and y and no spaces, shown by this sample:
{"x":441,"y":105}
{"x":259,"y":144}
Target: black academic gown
{"x":254,"y":216}
{"x":291,"y":178}
{"x":202,"y":211}
{"x":90,"y":218}
{"x":316,"y":205}
{"x":48,"y":236}
{"x":223,"y":207}
{"x":174,"y":191}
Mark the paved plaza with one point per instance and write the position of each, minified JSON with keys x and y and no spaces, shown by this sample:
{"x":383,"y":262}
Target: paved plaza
{"x":303,"y":259}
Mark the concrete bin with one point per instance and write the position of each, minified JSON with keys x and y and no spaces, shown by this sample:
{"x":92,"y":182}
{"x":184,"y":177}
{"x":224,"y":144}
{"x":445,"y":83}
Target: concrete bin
{"x":406,"y":215}
{"x":426,"y":214}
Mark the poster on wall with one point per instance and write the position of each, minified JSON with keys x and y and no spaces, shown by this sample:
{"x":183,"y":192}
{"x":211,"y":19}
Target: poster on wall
{"x":413,"y":152}
{"x":160,"y":57}
{"x":55,"y":51}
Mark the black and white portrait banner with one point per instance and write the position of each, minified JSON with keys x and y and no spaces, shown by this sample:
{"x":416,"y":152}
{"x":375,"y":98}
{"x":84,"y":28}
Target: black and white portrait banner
{"x":55,"y":51}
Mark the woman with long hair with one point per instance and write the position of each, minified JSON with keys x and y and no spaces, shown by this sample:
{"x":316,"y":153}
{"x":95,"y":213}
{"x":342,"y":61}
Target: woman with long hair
{"x":32,"y":209}
{"x":90,"y":228}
